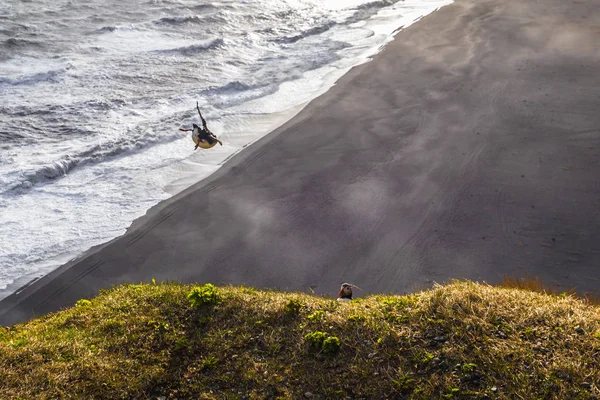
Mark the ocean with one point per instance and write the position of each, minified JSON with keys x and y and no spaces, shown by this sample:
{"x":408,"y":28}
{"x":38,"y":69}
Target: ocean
{"x":93,"y":95}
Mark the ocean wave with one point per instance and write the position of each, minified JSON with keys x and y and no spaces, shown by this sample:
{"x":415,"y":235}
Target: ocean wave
{"x":16,"y":27}
{"x":367,"y":10}
{"x":15,"y":43}
{"x":116,"y":28}
{"x":27,"y":111}
{"x":317,"y":30}
{"x":11,"y":136}
{"x":235,"y":86}
{"x":48,"y":172}
{"x":377,"y":4}
{"x":318,"y":56}
{"x":194,"y":48}
{"x":95,"y":154}
{"x":108,"y":29}
{"x":56,"y":169}
{"x":237,"y":92}
{"x":53,"y":76}
{"x":194,"y":19}
{"x":103,"y":104}
{"x":210,"y":6}
{"x":208,"y":20}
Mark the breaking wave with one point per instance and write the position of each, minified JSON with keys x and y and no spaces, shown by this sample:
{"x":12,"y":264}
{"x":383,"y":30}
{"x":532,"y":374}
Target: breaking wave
{"x":376,"y":4}
{"x":15,"y":43}
{"x":194,"y":19}
{"x":67,"y":163}
{"x":53,"y":76}
{"x":317,"y":30}
{"x":195,"y":48}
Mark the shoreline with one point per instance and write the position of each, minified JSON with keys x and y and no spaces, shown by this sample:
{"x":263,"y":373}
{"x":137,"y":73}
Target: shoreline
{"x":241,"y":131}
{"x":443,"y":157}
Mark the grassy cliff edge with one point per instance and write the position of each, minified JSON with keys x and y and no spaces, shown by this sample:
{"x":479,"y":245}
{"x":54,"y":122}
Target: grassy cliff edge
{"x":461,"y":340}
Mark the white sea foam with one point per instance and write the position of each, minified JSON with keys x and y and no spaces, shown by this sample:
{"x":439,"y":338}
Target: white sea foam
{"x":88,"y":127}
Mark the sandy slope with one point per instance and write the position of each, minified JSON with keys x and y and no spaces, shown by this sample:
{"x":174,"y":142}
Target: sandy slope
{"x":469,"y":148}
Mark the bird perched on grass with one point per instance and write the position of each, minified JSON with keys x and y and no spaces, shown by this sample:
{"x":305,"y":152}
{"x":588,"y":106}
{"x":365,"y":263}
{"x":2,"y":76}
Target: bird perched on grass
{"x":346,"y":292}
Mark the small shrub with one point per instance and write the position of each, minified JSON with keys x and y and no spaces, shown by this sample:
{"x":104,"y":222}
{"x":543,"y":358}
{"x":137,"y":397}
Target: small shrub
{"x":331,"y":345}
{"x":207,"y":294}
{"x":316,"y":339}
{"x":322,"y":341}
{"x":316,"y":316}
{"x":292,"y":308}
{"x":83,"y":303}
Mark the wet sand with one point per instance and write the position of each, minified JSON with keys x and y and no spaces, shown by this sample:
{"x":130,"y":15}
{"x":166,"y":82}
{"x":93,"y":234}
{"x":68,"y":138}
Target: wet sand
{"x":468,"y":148}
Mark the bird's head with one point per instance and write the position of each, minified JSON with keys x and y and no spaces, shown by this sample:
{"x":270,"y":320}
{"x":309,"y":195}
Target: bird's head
{"x":345,"y":291}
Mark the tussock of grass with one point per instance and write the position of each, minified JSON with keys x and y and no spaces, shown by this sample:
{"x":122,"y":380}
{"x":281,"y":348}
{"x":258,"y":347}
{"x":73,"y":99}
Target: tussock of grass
{"x":462,"y":340}
{"x":535,"y":284}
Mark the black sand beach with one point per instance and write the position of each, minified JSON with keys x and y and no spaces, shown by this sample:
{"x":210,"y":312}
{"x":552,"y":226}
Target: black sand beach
{"x":469,"y":148}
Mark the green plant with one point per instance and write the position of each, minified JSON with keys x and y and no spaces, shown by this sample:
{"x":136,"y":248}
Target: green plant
{"x":452,"y":391}
{"x":292,"y":308}
{"x":316,"y":339}
{"x":427,"y":358}
{"x":207,"y":294}
{"x":83,"y":303}
{"x":401,"y":302}
{"x":469,"y":367}
{"x":322,"y":341}
{"x":356,"y":318}
{"x":331,"y":345}
{"x":317,"y":315}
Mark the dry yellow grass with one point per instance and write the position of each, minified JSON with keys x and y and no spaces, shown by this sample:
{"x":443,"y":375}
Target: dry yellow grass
{"x":535,"y":284}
